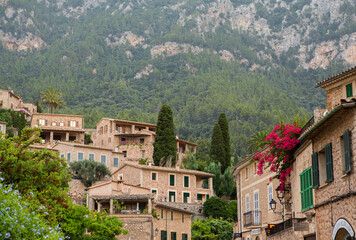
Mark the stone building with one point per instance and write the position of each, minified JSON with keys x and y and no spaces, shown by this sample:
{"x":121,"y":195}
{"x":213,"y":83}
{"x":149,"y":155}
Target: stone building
{"x":9,"y":100}
{"x":59,"y":127}
{"x":142,"y":216}
{"x":134,"y":139}
{"x":168,"y":184}
{"x":254,"y":192}
{"x":112,"y":158}
{"x":3,"y":128}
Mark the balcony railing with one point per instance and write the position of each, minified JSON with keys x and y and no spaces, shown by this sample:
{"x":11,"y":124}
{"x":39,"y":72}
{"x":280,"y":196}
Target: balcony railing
{"x":279,"y":227}
{"x":252,"y":218}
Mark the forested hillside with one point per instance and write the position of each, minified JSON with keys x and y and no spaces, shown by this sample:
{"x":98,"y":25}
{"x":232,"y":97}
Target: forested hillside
{"x":257,"y":61}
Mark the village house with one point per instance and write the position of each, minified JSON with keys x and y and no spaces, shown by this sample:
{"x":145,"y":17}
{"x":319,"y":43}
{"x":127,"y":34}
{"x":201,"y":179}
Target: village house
{"x":142,"y":216}
{"x":134,"y":139}
{"x":254,"y":193}
{"x":9,"y":100}
{"x":59,"y":127}
{"x":72,"y":151}
{"x":3,"y":128}
{"x":168,"y":184}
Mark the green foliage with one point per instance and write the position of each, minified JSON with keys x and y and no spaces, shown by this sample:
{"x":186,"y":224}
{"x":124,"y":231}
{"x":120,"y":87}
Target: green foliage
{"x":143,"y":161}
{"x":15,"y":121}
{"x":216,"y":207}
{"x":19,"y":221}
{"x":53,"y":99}
{"x":41,"y":177}
{"x":211,"y":228}
{"x":217,"y":147}
{"x":224,"y":126}
{"x":89,"y":171}
{"x":256,"y":141}
{"x":165,"y":147}
{"x":87,"y":138}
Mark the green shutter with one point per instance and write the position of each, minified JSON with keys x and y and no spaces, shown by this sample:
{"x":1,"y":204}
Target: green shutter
{"x":182,"y":217}
{"x":315,"y":167}
{"x":199,"y":196}
{"x":347,"y":149}
{"x":329,"y":163}
{"x":186,"y":181}
{"x":163,"y":235}
{"x":173,"y":236}
{"x":172,"y":194}
{"x":185,"y":197}
{"x":171,"y":180}
{"x":349,"y":92}
{"x":184,"y":236}
{"x":306,"y":189}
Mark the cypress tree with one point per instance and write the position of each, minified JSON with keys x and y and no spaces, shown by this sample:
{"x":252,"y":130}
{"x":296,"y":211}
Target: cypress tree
{"x":217,"y":147}
{"x":224,"y":126}
{"x":165,"y":146}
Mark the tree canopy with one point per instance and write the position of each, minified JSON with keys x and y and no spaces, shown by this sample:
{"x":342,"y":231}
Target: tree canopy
{"x":89,"y":171}
{"x":224,"y":126}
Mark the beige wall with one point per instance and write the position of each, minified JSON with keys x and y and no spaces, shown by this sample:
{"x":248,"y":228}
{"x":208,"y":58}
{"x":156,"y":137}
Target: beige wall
{"x":337,"y":91}
{"x":139,"y":226}
{"x":176,"y":225}
{"x":9,"y":100}
{"x":57,"y":121}
{"x":74,"y":149}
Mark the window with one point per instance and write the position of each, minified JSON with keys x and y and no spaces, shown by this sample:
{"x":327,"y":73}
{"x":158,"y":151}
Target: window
{"x":322,"y":166}
{"x":42,"y":122}
{"x":91,"y":156}
{"x":154,"y":176}
{"x":199,"y":197}
{"x":306,"y":189}
{"x":103,"y":159}
{"x":172,"y":196}
{"x":142,"y":140}
{"x":80,"y":156}
{"x":154,"y":191}
{"x":186,"y":197}
{"x":329,"y":163}
{"x":54,"y":123}
{"x":62,"y":155}
{"x":173,"y":236}
{"x":349,"y":92}
{"x":247,"y":203}
{"x":171,"y":180}
{"x":184,"y":236}
{"x":186,"y":181}
{"x":172,"y":215}
{"x":0,"y":128}
{"x":125,"y":153}
{"x":163,"y":235}
{"x":345,"y":146}
{"x":72,"y":123}
{"x":246,"y":172}
{"x":68,"y":157}
{"x":61,"y":124}
{"x":256,"y":205}
{"x":270,"y":195}
{"x":142,"y":153}
{"x":182,"y":218}
{"x":255,"y":168}
{"x":116,"y":162}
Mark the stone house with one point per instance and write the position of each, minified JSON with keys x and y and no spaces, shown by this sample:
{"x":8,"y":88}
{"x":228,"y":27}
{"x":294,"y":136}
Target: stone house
{"x":142,"y":217}
{"x":254,"y":192}
{"x":134,"y":139}
{"x":168,"y":184}
{"x":59,"y":127}
{"x":112,"y":158}
{"x":3,"y":128}
{"x":9,"y":100}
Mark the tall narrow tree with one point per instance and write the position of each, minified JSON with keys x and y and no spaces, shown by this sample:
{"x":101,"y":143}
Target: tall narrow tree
{"x":165,"y":146}
{"x":217,"y":147}
{"x":224,"y":126}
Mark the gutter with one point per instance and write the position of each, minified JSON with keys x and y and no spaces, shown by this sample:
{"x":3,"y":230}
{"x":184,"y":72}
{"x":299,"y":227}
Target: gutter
{"x":335,"y":78}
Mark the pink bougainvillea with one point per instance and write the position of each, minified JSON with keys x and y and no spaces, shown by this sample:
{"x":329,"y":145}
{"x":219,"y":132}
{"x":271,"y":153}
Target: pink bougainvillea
{"x":279,"y":156}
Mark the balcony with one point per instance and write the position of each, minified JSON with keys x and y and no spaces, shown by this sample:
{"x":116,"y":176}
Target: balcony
{"x":252,"y":219}
{"x":276,"y":228}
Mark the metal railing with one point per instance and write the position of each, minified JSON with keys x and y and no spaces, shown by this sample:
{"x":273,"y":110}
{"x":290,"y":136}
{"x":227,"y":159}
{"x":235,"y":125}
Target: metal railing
{"x":307,"y":125}
{"x":279,"y":227}
{"x":252,"y":218}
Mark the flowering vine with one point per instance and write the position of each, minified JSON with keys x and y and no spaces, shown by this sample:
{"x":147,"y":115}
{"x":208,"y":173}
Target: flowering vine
{"x":279,"y":154}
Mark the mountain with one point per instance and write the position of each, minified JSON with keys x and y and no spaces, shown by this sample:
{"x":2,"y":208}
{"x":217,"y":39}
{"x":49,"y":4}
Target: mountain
{"x":257,"y":61}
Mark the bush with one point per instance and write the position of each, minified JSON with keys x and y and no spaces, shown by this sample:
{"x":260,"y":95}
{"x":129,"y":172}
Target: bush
{"x":89,"y":171}
{"x":219,"y":208}
{"x":216,"y":229}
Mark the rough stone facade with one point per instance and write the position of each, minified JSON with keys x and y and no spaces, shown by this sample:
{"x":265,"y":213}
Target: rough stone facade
{"x":9,"y":100}
{"x":3,"y":128}
{"x":336,"y":92}
{"x":77,"y":192}
{"x":138,"y":226}
{"x":141,"y":175}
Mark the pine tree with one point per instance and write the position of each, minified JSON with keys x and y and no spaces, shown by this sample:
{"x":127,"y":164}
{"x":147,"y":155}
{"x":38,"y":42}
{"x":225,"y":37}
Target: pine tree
{"x":224,"y":126}
{"x":165,"y":146}
{"x":217,"y":147}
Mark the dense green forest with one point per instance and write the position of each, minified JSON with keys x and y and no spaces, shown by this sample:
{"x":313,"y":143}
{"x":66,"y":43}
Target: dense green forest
{"x":98,"y":79}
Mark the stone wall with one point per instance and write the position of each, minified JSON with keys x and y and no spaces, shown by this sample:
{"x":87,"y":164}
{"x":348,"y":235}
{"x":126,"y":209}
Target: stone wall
{"x":140,"y":227}
{"x":76,"y":192}
{"x":283,"y":235}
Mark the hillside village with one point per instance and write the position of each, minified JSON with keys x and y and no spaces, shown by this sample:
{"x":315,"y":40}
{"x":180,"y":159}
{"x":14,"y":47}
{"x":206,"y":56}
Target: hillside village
{"x":317,"y":203}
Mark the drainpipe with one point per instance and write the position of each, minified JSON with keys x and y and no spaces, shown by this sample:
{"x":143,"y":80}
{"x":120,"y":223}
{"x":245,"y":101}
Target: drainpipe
{"x":240,"y":202}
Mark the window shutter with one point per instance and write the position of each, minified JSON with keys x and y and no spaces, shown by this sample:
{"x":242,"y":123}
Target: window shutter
{"x":329,"y":163}
{"x":347,"y":148}
{"x":171,"y":182}
{"x":315,"y":168}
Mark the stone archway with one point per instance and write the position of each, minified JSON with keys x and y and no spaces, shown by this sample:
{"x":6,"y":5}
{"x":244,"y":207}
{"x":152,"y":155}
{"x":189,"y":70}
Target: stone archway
{"x":343,"y":230}
{"x":257,"y":238}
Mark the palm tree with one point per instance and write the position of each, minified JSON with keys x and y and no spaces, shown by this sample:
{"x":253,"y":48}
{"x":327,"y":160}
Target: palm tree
{"x":52,"y":98}
{"x":256,"y":141}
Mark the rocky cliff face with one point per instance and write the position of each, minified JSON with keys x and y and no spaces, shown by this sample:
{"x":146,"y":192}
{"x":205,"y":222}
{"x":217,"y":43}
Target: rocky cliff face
{"x":313,"y":32}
